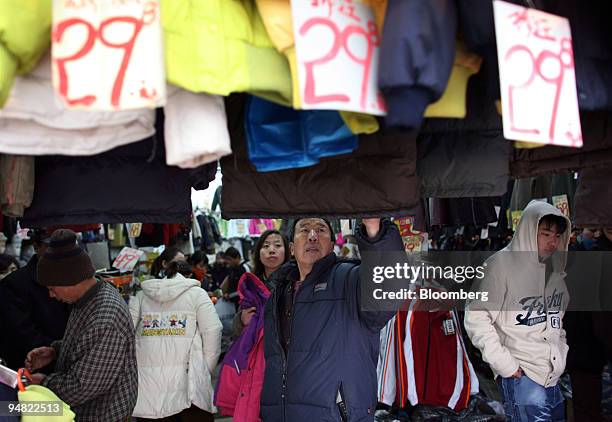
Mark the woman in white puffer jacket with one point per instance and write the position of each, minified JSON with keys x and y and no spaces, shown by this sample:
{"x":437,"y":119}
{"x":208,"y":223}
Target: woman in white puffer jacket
{"x":178,"y":342}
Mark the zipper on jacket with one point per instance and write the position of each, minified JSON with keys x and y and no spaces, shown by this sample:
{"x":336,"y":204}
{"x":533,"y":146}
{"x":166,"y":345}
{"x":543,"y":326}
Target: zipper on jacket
{"x":428,"y":351}
{"x":284,"y":357}
{"x":341,"y":403}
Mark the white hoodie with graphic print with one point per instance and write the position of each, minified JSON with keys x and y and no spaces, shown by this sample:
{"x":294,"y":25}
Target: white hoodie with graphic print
{"x":520,"y":325}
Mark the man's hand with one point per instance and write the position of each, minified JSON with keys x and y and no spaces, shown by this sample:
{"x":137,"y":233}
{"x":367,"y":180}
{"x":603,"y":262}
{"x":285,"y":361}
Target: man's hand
{"x":37,"y":379}
{"x":372,"y":226}
{"x":247,"y":316}
{"x":39,"y":358}
{"x":518,"y":374}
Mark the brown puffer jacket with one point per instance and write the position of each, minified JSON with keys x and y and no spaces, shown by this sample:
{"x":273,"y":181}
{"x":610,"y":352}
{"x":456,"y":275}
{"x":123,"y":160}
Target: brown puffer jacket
{"x":377,"y":179}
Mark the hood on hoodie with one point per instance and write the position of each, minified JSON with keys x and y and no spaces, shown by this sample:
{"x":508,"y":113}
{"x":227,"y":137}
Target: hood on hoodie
{"x":168,"y":289}
{"x":525,"y":238}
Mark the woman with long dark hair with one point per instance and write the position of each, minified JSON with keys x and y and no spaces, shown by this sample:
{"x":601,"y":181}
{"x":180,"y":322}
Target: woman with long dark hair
{"x":161,"y":263}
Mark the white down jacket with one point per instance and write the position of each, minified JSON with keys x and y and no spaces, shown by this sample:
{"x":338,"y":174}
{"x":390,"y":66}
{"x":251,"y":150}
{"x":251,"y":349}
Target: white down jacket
{"x":521,"y":323}
{"x":178,"y":342}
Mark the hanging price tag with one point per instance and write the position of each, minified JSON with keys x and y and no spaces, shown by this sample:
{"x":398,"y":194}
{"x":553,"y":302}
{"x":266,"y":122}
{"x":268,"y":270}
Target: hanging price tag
{"x":107,"y":54}
{"x":537,"y":77}
{"x":337,"y":46}
{"x":561,"y":202}
{"x":127,"y":259}
{"x":134,"y":229}
{"x":516,"y":217}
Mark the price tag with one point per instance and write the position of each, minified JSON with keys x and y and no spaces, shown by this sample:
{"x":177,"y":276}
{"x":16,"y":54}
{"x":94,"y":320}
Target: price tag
{"x":516,"y":217}
{"x":561,"y":202}
{"x":337,"y":47}
{"x":127,"y":259}
{"x":134,"y":229}
{"x":537,"y":77}
{"x":108,"y":54}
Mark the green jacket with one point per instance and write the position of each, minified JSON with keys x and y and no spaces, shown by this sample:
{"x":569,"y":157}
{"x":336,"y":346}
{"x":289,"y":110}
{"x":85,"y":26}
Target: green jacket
{"x":25,"y":32}
{"x":220,"y":47}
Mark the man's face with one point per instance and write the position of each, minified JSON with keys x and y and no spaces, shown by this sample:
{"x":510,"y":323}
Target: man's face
{"x":233,"y":262}
{"x":608,"y":233}
{"x":311,"y":241}
{"x":12,"y":267}
{"x":548,"y":240}
{"x":66,"y":294}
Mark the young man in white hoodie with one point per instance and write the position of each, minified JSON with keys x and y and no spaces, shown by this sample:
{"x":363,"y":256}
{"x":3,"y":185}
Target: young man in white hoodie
{"x":519,"y":329}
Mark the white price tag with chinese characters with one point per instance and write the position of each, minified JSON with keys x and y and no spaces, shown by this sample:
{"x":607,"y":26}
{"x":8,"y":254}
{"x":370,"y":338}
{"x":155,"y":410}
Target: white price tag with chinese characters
{"x":108,"y":54}
{"x":537,"y":77}
{"x":127,"y":259}
{"x":337,"y":46}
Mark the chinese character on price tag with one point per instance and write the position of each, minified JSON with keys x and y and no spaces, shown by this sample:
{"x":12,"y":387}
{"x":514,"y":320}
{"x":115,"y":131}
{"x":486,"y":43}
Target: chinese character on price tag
{"x":537,"y":77}
{"x":127,"y":259}
{"x":337,"y":46}
{"x":561,"y":202}
{"x":108,"y":55}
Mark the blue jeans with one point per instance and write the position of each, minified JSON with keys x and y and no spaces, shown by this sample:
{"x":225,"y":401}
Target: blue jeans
{"x":527,"y":401}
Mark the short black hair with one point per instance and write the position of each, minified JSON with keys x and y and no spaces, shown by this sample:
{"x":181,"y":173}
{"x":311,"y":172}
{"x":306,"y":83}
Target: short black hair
{"x":233,"y":253}
{"x":6,"y":260}
{"x":197,"y":257}
{"x":329,"y":226}
{"x":550,"y":220}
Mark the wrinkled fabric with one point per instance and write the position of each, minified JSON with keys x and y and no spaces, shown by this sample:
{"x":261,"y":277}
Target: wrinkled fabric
{"x":16,"y":184}
{"x":25,"y":32}
{"x":117,"y":186}
{"x":593,"y":200}
{"x":596,"y":151}
{"x":220,"y":47}
{"x":281,"y":138}
{"x":416,"y":54}
{"x":195,"y":128}
{"x":34,"y":121}
{"x":382,"y":169}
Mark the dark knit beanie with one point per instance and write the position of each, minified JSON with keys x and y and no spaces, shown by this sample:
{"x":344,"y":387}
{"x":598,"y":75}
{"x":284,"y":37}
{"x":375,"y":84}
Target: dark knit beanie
{"x":64,"y":263}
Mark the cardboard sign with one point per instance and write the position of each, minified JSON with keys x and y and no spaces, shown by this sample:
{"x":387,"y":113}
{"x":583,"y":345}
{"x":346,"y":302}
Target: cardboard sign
{"x":562,"y":204}
{"x":108,"y":54}
{"x":337,"y":47}
{"x":127,"y":259}
{"x":537,"y":78}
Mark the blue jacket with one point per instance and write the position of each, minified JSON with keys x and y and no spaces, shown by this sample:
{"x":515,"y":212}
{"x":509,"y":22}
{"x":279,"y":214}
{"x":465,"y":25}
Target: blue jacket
{"x":333,"y":349}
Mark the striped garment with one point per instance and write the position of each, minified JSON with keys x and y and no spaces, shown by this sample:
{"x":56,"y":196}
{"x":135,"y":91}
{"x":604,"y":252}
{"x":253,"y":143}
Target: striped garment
{"x":96,"y":372}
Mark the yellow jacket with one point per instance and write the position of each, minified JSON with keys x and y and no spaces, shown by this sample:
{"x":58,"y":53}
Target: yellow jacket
{"x":25,"y":33}
{"x":220,"y":47}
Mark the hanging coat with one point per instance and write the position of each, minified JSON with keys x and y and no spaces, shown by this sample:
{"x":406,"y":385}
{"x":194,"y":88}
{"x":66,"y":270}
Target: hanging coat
{"x":220,"y":47}
{"x":594,"y":198}
{"x":416,"y":55}
{"x":281,"y":138}
{"x":382,"y":170}
{"x":117,"y":186}
{"x":595,"y":152}
{"x":25,"y":31}
{"x":34,"y":121}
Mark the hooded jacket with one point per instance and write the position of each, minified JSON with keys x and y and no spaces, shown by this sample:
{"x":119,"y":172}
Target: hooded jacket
{"x":520,"y":325}
{"x":178,"y":342}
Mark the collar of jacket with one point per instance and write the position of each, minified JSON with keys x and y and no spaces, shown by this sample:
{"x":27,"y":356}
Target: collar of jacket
{"x":89,"y":294}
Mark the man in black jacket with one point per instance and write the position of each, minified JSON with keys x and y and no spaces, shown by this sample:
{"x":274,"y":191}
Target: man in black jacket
{"x":321,"y":346}
{"x":29,"y":316}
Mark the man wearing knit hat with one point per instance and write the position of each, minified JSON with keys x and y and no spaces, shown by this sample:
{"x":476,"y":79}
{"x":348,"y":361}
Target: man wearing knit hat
{"x":95,"y":363}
